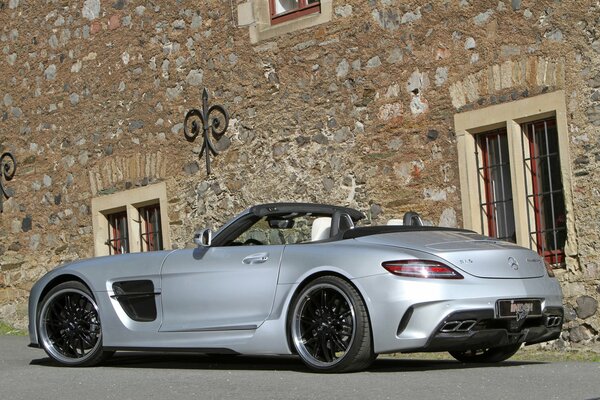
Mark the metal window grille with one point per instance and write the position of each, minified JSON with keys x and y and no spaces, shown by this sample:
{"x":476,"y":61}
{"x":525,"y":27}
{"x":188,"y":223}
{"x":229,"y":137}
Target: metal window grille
{"x":118,"y":241}
{"x":544,"y":191}
{"x":285,"y":10}
{"x":495,"y":188}
{"x":150,"y":228}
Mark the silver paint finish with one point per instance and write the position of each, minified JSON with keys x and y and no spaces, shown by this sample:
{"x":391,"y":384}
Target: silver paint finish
{"x":227,"y":287}
{"x":238,"y":297}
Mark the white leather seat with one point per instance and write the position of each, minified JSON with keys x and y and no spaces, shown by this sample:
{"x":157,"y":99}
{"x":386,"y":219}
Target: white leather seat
{"x":321,"y":227}
{"x":395,"y":221}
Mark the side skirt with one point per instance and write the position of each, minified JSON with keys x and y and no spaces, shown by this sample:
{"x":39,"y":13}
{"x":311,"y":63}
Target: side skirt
{"x":211,"y":350}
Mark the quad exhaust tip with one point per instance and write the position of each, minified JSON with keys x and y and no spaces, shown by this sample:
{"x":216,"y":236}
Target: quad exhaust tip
{"x":553,"y":321}
{"x":458,"y":326}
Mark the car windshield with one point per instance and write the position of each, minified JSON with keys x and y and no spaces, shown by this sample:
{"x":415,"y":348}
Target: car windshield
{"x":280,"y":230}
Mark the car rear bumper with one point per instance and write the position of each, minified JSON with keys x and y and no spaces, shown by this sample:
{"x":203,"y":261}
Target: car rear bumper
{"x":411,"y":315}
{"x":482,"y":330}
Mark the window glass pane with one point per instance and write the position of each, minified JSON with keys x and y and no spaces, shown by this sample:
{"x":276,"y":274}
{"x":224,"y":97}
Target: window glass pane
{"x":118,"y":242}
{"x":150,"y":228}
{"x":496,"y":191}
{"x":265,"y":233}
{"x":546,"y":194}
{"x":282,"y":6}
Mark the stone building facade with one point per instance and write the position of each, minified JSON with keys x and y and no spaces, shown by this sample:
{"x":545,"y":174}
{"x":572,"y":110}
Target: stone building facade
{"x":375,"y":104}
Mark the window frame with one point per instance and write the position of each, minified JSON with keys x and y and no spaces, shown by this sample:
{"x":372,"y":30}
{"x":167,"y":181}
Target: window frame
{"x":531,"y":155}
{"x":116,"y":234}
{"x":150,"y":234}
{"x":264,"y":27}
{"x":131,"y":202}
{"x":512,"y":116}
{"x":304,"y":8}
{"x":487,"y":198}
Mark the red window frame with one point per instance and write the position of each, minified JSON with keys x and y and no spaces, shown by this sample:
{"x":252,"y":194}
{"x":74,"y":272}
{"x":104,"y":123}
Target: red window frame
{"x":304,"y":8}
{"x":558,"y":224}
{"x":150,"y":228}
{"x":118,"y":239}
{"x":487,"y":183}
{"x":487,"y":200}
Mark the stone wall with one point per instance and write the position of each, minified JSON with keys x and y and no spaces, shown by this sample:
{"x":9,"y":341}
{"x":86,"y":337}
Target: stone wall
{"x":358,"y":111}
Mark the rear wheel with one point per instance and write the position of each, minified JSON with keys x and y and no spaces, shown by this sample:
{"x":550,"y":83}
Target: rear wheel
{"x":330,"y":327}
{"x":491,"y":355}
{"x":69,"y":326}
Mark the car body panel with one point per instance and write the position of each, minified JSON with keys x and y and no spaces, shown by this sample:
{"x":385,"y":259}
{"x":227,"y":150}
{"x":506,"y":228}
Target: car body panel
{"x":238,"y":298}
{"x":432,"y":302}
{"x":219,"y":288}
{"x":472,"y":253}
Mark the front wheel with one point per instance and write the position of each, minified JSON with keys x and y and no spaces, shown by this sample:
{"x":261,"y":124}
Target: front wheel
{"x":69,"y":326}
{"x":491,"y":355}
{"x":330,"y":327}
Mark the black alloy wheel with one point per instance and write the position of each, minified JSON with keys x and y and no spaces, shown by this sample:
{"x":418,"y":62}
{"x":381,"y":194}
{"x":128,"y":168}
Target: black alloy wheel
{"x":69,"y":326}
{"x":330,"y":327}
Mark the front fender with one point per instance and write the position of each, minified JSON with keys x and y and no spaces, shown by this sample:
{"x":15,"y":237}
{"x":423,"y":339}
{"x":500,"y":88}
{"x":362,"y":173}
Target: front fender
{"x":41,"y":287}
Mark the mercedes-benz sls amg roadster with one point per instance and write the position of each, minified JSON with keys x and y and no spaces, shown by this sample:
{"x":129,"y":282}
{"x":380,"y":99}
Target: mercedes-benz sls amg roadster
{"x":305,"y":279}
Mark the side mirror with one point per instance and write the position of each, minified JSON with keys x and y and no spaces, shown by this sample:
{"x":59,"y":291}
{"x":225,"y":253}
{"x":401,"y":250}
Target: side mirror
{"x":203,"y":238}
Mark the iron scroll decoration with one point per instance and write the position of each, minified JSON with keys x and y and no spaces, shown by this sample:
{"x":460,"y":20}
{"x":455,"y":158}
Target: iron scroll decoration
{"x":8,"y":167}
{"x":212,"y":120}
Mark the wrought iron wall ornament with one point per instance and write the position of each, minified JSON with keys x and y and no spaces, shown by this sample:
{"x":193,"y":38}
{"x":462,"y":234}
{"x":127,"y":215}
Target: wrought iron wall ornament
{"x":8,"y":167}
{"x":212,"y":120}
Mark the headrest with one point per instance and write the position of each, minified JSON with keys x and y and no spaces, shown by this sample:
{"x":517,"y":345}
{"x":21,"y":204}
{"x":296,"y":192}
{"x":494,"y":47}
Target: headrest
{"x":321,"y":227}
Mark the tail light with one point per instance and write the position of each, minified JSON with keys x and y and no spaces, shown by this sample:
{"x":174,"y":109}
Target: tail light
{"x":421,"y":269}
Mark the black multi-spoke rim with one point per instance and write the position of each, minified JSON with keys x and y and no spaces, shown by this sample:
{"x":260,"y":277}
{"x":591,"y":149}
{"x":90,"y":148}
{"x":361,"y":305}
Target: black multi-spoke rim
{"x":324,"y":324}
{"x":70,"y":327}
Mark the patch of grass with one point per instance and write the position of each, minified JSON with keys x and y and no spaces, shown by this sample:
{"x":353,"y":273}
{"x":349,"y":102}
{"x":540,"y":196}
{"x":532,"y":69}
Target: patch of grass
{"x":536,"y":354}
{"x":526,"y":354}
{"x":6,"y":329}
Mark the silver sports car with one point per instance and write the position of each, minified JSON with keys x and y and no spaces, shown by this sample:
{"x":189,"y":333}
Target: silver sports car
{"x":305,"y":279}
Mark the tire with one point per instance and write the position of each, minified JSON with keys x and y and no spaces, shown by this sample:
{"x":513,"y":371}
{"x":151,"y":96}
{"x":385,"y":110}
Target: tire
{"x":69,"y":326}
{"x":330,"y":328}
{"x":491,"y":355}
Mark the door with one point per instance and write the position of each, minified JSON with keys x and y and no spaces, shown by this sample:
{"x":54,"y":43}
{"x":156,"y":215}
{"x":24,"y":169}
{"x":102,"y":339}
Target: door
{"x":219,"y":288}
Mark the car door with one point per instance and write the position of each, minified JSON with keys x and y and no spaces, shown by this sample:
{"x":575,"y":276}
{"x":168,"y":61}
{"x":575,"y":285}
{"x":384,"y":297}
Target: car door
{"x":219,"y":288}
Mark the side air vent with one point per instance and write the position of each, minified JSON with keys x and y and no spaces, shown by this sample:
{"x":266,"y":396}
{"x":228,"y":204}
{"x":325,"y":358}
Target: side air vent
{"x":137,"y":299}
{"x":404,"y":321}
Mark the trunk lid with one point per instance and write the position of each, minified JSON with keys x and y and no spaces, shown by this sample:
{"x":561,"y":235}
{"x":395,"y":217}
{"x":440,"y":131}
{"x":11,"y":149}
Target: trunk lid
{"x":469,"y":252}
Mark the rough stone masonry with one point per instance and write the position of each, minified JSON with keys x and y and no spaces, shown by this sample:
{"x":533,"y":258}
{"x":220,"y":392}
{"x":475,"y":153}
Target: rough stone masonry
{"x":357,"y":111}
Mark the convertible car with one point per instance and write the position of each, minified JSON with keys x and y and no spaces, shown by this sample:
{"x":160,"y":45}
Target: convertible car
{"x":305,"y":279}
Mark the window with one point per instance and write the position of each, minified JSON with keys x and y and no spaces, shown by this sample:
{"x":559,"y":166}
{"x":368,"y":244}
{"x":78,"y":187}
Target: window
{"x":515,"y":174}
{"x":118,"y":240}
{"x":496,"y":194}
{"x":274,"y":231}
{"x":131,"y":221}
{"x":545,"y":196}
{"x":267,"y":19}
{"x":284,"y":10}
{"x":150,"y":228}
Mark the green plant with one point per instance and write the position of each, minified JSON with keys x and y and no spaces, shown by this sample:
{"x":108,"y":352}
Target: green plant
{"x":6,"y":329}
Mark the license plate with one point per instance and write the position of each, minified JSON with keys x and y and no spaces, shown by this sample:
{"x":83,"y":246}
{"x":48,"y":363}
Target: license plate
{"x":519,"y":308}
